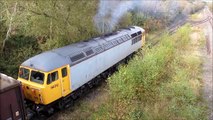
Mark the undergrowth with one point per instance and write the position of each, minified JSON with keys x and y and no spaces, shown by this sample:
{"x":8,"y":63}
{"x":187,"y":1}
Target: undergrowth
{"x":163,"y":84}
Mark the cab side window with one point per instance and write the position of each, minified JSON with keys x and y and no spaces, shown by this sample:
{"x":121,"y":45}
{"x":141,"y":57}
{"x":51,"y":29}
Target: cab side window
{"x":52,"y":77}
{"x":64,"y":72}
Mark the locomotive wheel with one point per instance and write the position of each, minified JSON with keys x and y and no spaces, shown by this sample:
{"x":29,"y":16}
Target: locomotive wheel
{"x":60,"y":105}
{"x":69,"y":104}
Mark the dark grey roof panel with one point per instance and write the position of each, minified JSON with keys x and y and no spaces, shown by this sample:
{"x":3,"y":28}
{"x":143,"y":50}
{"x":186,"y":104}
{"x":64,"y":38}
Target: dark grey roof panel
{"x":70,"y":49}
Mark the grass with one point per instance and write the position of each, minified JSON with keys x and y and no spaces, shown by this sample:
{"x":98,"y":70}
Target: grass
{"x":195,"y":16}
{"x":163,"y":84}
{"x":84,"y":106}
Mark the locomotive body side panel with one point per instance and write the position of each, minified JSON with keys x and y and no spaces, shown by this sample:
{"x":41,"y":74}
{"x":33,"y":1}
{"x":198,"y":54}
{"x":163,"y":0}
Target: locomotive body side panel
{"x":84,"y":71}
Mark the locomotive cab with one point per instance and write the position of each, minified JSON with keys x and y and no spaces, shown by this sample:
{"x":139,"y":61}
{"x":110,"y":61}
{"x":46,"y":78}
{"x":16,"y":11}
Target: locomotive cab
{"x":44,"y":87}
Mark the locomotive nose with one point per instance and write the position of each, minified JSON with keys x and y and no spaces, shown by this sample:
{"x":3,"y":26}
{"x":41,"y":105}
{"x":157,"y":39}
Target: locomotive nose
{"x":32,"y":93}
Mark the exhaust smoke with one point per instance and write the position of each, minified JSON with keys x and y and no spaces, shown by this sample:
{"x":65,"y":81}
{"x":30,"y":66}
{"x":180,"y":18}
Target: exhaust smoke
{"x":110,"y":12}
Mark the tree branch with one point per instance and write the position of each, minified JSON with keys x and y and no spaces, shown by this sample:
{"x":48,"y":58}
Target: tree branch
{"x":38,"y":13}
{"x":9,"y":27}
{"x":43,"y":13}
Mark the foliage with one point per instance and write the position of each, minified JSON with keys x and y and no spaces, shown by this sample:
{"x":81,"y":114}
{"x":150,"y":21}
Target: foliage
{"x":42,"y":25}
{"x":55,"y":20}
{"x":21,"y":48}
{"x":161,"y":85}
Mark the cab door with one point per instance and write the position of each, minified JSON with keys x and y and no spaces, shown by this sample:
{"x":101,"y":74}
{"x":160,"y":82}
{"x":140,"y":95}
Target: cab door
{"x":54,"y":87}
{"x":65,"y":80}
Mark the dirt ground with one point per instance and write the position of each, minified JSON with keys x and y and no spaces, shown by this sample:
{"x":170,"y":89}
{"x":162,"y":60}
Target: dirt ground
{"x":206,"y":54}
{"x":208,"y":64}
{"x":84,"y":106}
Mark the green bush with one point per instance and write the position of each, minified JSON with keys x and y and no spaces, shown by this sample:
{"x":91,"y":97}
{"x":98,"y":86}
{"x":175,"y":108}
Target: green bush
{"x":21,"y":48}
{"x":158,"y":85}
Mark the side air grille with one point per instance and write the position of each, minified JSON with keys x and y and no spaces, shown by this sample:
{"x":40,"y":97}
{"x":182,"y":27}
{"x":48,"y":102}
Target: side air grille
{"x":89,"y":52}
{"x":128,"y":37}
{"x":133,"y":35}
{"x":119,"y":40}
{"x":108,"y":45}
{"x":115,"y":42}
{"x":77,"y":57}
{"x":124,"y":38}
{"x":139,"y":32}
{"x":99,"y":49}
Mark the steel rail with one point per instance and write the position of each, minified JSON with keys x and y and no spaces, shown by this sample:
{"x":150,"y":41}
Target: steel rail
{"x":173,"y":29}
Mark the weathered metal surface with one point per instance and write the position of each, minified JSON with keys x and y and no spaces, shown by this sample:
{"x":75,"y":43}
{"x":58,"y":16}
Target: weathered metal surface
{"x":11,"y":99}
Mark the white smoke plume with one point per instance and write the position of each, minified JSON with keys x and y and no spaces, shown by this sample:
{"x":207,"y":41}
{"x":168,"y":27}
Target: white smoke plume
{"x":110,"y":12}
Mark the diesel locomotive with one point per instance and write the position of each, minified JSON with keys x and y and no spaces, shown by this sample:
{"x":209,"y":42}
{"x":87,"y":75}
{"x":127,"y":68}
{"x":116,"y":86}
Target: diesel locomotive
{"x":56,"y":77}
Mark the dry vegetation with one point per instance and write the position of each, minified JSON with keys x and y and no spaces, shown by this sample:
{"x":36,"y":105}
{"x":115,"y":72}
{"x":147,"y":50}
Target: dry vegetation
{"x":165,"y":84}
{"x":210,"y":5}
{"x":85,"y":106}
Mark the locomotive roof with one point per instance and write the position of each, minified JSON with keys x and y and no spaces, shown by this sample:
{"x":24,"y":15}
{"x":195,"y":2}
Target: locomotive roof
{"x":74,"y":53}
{"x":7,"y":83}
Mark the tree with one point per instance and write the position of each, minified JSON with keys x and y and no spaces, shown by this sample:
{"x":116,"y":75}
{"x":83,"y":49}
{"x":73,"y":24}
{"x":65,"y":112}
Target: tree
{"x":11,"y":17}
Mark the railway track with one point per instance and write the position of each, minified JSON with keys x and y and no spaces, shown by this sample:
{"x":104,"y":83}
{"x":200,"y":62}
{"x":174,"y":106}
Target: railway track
{"x":171,"y":30}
